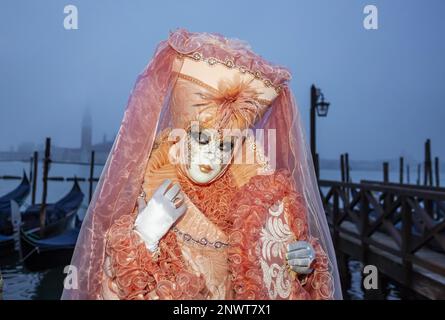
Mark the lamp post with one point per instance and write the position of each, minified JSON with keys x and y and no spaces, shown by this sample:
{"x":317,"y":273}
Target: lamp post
{"x":318,"y":107}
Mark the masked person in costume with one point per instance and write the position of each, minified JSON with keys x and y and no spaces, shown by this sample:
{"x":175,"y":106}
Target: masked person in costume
{"x":192,"y":203}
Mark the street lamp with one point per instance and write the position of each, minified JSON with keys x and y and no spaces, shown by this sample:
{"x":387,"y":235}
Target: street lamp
{"x":320,"y":107}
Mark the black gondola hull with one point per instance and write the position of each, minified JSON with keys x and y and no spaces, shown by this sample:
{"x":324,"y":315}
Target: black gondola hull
{"x":7,"y":245}
{"x":45,"y":258}
{"x":19,"y":195}
{"x":39,"y":253}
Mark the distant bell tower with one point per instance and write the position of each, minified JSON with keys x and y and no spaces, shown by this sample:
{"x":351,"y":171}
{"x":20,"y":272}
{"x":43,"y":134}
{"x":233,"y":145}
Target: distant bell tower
{"x":87,"y":131}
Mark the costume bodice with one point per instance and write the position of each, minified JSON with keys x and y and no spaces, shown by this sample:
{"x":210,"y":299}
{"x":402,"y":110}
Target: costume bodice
{"x":204,"y":259}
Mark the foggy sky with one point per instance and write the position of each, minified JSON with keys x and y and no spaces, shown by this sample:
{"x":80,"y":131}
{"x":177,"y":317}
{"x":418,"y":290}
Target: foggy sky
{"x":386,"y":86}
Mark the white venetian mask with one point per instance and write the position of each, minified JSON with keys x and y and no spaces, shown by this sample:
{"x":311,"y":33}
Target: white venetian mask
{"x":210,"y":154}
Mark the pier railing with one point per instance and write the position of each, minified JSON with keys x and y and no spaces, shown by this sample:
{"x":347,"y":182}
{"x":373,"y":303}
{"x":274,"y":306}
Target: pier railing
{"x":404,"y":223}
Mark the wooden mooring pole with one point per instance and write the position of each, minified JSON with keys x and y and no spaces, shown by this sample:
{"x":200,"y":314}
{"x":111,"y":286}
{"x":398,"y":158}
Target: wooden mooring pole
{"x":436,"y":171}
{"x":342,"y":168}
{"x":385,"y":172}
{"x":46,"y":162}
{"x":401,"y":170}
{"x":428,"y":173}
{"x":34,"y":176}
{"x":418,"y":173}
{"x":91,"y":176}
{"x":348,"y":179}
{"x":408,"y":174}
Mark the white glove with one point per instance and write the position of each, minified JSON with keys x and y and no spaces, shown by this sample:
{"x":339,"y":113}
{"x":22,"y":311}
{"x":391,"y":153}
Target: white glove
{"x":155,"y":219}
{"x":300,"y":255}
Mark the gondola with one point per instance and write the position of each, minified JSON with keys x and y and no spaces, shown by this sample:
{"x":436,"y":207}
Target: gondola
{"x":54,"y":211}
{"x":46,"y":250}
{"x":60,"y":216}
{"x":53,"y":246}
{"x":18,"y":195}
{"x":6,"y":244}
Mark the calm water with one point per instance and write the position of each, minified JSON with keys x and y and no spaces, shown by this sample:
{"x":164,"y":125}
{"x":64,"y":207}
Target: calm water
{"x":22,"y":284}
{"x":18,"y":282}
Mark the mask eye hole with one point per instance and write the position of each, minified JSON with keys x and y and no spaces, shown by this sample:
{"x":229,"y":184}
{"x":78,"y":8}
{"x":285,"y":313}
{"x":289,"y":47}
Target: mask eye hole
{"x":226,"y":146}
{"x":200,"y":137}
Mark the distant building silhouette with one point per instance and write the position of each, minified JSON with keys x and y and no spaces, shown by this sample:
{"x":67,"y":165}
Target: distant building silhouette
{"x":66,"y":154}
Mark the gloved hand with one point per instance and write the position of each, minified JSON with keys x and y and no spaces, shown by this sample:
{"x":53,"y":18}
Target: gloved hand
{"x":300,"y":255}
{"x":156,"y":217}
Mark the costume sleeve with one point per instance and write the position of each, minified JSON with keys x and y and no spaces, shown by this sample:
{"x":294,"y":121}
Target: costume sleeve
{"x":267,"y":216}
{"x":136,"y":273}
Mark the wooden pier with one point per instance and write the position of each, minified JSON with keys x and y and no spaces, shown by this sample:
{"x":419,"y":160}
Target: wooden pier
{"x":398,"y":228}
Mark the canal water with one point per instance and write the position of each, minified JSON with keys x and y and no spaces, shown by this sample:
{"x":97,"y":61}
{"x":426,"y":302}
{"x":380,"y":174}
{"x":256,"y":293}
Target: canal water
{"x":19,"y":283}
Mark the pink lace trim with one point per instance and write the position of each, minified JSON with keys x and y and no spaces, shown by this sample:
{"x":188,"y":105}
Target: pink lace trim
{"x":217,"y":46}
